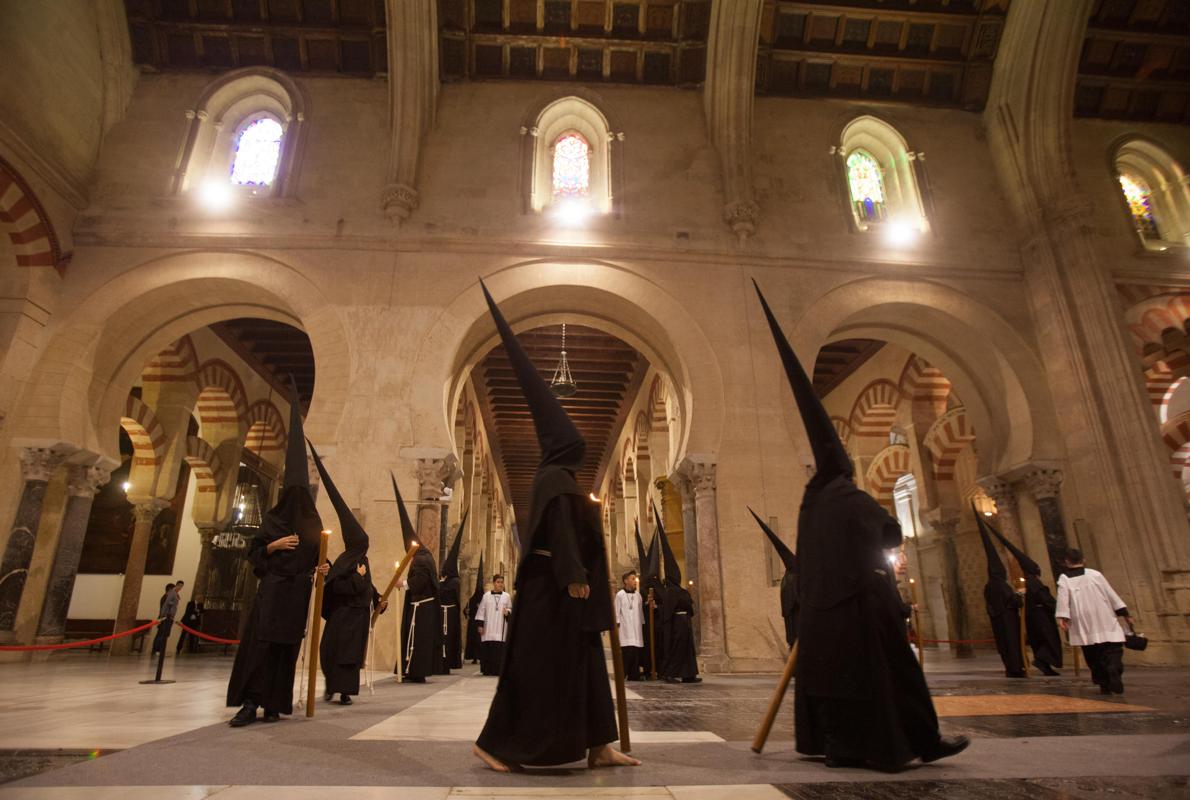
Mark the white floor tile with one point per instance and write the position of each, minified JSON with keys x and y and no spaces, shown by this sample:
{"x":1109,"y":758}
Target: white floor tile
{"x":758,"y":791}
{"x":111,"y":793}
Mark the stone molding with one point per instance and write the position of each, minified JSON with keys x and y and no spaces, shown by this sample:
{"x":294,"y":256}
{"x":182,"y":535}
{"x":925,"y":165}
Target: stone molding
{"x":1044,"y":483}
{"x":40,"y":464}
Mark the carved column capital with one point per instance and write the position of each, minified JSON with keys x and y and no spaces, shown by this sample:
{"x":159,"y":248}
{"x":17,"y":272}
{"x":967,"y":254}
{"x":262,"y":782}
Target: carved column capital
{"x":1001,"y":492}
{"x":86,"y":481}
{"x":434,"y":474}
{"x":398,"y":201}
{"x":39,"y":463}
{"x":147,"y":511}
{"x":1044,"y":483}
{"x":700,"y":474}
{"x":741,"y":217}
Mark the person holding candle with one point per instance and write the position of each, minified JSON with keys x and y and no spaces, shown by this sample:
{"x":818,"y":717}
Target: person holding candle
{"x":421,"y":619}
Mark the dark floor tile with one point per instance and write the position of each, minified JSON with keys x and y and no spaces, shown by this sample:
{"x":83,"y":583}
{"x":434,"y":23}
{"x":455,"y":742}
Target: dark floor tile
{"x":17,"y":764}
{"x":1167,"y":788}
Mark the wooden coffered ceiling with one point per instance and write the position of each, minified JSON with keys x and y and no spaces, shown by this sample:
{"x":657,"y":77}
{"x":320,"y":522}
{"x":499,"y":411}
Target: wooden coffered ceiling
{"x":608,"y":373}
{"x":839,"y":359}
{"x":275,"y":350}
{"x":317,"y":36}
{"x":933,"y":52}
{"x":625,"y":41}
{"x":1135,"y":62}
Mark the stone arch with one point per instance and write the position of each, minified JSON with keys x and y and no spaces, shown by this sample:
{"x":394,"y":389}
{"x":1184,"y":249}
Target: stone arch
{"x":946,"y":439}
{"x":1176,"y":435}
{"x":120,"y":323}
{"x":28,"y":226}
{"x":875,"y":410}
{"x":222,"y":404}
{"x":149,"y":445}
{"x":921,"y":381}
{"x":209,"y":477}
{"x":1145,"y":160}
{"x":986,"y":359}
{"x":881,"y":478}
{"x":659,"y":428}
{"x":843,"y":429}
{"x":266,"y":436}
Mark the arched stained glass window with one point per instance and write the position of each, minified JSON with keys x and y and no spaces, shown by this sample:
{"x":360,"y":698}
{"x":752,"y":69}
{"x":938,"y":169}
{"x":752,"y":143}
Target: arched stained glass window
{"x":572,"y":166}
{"x":258,"y":150}
{"x":1140,"y":203}
{"x":867,"y":186}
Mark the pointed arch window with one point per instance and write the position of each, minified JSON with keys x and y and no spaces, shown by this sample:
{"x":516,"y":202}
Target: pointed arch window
{"x":1140,"y":204}
{"x":867,"y":186}
{"x":572,"y":166}
{"x":257,"y":153}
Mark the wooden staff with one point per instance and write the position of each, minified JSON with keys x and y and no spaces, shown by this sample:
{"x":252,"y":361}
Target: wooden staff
{"x":770,"y":716}
{"x":618,"y":666}
{"x":316,"y":625}
{"x":401,"y":567}
{"x":921,"y":648}
{"x":652,"y":638}
{"x":1024,"y":638}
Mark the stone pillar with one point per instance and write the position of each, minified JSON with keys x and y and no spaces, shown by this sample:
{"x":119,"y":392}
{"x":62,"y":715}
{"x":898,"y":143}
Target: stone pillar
{"x":1008,"y":518}
{"x":37,"y":467}
{"x":433,"y":475}
{"x":134,"y":571}
{"x":690,"y":531}
{"x":1044,"y":485}
{"x":83,"y":484}
{"x":709,"y":578}
{"x":956,"y":606}
{"x":202,"y":575}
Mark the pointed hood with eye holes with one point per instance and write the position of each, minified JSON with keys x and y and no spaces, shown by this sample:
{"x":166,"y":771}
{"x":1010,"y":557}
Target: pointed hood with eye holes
{"x":830,"y":457}
{"x":450,"y":567}
{"x":480,"y":580}
{"x":562,"y":446}
{"x":355,"y":538}
{"x":1028,"y":565}
{"x":673,"y":573}
{"x":996,"y":570}
{"x":408,"y":532}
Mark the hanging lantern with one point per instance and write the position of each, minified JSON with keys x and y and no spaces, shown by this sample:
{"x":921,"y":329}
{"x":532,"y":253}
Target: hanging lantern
{"x":562,"y":384}
{"x":246,"y":513}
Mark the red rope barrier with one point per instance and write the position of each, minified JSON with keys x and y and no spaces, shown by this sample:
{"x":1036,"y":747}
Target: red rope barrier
{"x":207,"y":636}
{"x":87,"y":643}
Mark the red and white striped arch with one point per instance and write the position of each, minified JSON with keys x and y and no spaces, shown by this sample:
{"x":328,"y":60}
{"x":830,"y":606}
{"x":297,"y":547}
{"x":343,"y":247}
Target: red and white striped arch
{"x":177,"y":363}
{"x":875,"y":409}
{"x":920,"y":380}
{"x":950,"y":434}
{"x":204,"y":462}
{"x":889,"y":464}
{"x":266,"y":431}
{"x":1176,"y":434}
{"x":221,"y":397}
{"x":25,"y":221}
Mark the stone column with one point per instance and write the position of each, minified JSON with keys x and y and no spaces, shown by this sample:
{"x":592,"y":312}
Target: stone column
{"x":1008,"y":518}
{"x":37,"y":467}
{"x":690,"y":532}
{"x":202,"y":575}
{"x":433,"y":475}
{"x":83,"y":484}
{"x":134,"y":571}
{"x":709,"y":589}
{"x":1044,"y":485}
{"x":956,"y":606}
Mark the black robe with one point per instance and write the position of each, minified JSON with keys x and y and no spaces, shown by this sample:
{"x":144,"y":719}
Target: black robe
{"x":859,"y":691}
{"x":553,"y":701}
{"x":680,"y":660}
{"x":1003,"y":607}
{"x":655,"y":662}
{"x":422,"y":655}
{"x":471,"y":653}
{"x":452,"y":643}
{"x":347,"y":609}
{"x":789,"y":605}
{"x":1041,"y":630}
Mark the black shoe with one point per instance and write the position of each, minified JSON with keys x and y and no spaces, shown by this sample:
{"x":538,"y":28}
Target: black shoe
{"x":413,"y":679}
{"x":672,"y":680}
{"x":692,"y":680}
{"x":271,"y":716}
{"x":1117,"y":686}
{"x":345,"y":700}
{"x":1104,"y":690}
{"x":329,"y":696}
{"x":946,"y":747}
{"x":245,"y":716}
{"x":837,"y":762}
{"x":1017,"y":674}
{"x":1046,"y":669}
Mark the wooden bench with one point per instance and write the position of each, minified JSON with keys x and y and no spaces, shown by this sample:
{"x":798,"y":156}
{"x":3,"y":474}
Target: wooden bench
{"x":83,"y":629}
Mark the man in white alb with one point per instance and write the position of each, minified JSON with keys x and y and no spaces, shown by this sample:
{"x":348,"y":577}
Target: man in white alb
{"x":630,"y":618}
{"x":1089,"y":610}
{"x":492,"y":617}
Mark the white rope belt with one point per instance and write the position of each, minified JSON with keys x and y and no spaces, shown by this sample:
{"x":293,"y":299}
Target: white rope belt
{"x":545,"y":553}
{"x":413,"y":629}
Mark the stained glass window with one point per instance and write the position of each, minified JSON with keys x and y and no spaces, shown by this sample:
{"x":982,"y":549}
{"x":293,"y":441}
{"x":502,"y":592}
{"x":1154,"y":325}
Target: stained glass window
{"x":258,"y":149}
{"x":1140,"y":203}
{"x":867,"y":187}
{"x":572,"y":166}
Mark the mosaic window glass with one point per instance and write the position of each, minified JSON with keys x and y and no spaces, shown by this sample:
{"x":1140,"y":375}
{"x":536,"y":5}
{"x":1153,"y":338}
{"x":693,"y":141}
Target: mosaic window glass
{"x":572,"y":166}
{"x":1140,"y":203}
{"x":867,"y":187}
{"x":258,"y":149}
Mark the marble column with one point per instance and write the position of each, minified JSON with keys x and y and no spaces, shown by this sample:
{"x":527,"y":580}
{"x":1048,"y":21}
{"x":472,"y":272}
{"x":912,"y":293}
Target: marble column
{"x":37,"y":467}
{"x":956,"y":606}
{"x":206,"y":554}
{"x":134,"y":571}
{"x":709,"y":578}
{"x":1044,"y":485}
{"x":433,"y":475}
{"x":84,"y":482}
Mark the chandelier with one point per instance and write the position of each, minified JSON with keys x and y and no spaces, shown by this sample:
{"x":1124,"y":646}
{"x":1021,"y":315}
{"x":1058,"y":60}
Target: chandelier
{"x":562,"y":384}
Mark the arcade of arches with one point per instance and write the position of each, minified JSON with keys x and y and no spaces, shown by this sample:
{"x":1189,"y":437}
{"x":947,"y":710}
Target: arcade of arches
{"x":995,"y":296}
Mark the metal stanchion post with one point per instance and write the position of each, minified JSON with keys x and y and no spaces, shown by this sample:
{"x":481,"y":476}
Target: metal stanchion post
{"x":161,"y":663}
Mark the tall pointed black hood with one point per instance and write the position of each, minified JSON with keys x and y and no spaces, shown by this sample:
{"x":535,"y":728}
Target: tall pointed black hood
{"x":642,"y":555}
{"x":786,"y":555}
{"x":1028,"y":565}
{"x":450,"y":567}
{"x":996,"y":570}
{"x":355,"y":538}
{"x":673,"y":573}
{"x":830,"y":457}
{"x":408,"y":532}
{"x":297,"y":470}
{"x":477,"y":594}
{"x":561,"y":443}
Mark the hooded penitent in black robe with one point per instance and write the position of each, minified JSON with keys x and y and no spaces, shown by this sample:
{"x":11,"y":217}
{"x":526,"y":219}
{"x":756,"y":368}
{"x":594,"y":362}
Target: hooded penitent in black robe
{"x":553,"y":702}
{"x":448,"y":600}
{"x":860,"y":695}
{"x":1041,"y":629}
{"x":471,"y":652}
{"x":789,"y":602}
{"x":421,"y":618}
{"x":264,"y":666}
{"x":1003,"y":607}
{"x":677,"y":617}
{"x":347,"y":600}
{"x":651,"y":586}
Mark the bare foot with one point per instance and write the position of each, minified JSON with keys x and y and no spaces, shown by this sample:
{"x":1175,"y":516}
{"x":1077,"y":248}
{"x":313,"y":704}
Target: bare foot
{"x":608,"y":756}
{"x":494,"y":764}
